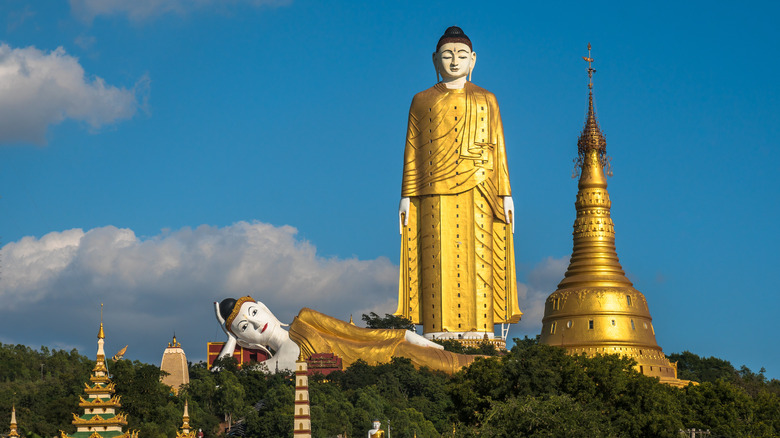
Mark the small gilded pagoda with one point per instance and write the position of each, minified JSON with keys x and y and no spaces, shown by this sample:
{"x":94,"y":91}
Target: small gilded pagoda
{"x":14,"y":433}
{"x":185,"y":431}
{"x":596,"y":309}
{"x":101,"y":418}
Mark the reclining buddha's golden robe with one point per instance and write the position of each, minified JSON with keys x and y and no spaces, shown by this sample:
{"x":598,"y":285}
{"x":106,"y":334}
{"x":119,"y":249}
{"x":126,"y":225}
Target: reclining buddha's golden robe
{"x":457,"y":256}
{"x":315,"y":332}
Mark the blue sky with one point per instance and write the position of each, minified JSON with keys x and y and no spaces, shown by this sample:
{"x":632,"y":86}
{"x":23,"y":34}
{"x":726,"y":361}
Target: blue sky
{"x":160,"y":155}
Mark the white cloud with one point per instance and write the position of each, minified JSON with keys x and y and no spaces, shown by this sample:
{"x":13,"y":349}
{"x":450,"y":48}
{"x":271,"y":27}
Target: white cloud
{"x":542,"y":281}
{"x":52,"y":286}
{"x":138,"y":10}
{"x":39,"y":89}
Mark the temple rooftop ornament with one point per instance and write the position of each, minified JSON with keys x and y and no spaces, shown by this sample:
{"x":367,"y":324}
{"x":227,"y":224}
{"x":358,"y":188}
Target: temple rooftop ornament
{"x":596,"y":309}
{"x":119,"y":354}
{"x":102,"y":417}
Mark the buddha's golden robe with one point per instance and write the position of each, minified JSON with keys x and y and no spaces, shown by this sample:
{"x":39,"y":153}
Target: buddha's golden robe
{"x":315,"y":332}
{"x":457,"y":256}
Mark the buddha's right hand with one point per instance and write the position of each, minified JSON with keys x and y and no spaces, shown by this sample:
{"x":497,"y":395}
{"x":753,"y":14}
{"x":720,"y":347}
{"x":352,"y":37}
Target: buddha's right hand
{"x":227,"y":350}
{"x":416,"y":339}
{"x":230,"y":344}
{"x":403,"y":214}
{"x":221,"y":321}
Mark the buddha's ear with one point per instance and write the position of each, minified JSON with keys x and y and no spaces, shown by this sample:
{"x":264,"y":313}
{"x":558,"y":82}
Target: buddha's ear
{"x":436,"y":66}
{"x":473,"y":62}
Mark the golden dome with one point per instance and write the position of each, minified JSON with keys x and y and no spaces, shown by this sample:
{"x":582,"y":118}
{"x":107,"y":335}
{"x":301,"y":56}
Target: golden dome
{"x":596,"y":309}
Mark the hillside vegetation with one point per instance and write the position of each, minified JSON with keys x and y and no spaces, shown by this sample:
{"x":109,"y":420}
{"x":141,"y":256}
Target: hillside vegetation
{"x":533,"y":390}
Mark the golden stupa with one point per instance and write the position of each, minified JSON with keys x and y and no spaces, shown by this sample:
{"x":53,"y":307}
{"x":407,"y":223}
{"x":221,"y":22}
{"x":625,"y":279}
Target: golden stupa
{"x":596,"y":309}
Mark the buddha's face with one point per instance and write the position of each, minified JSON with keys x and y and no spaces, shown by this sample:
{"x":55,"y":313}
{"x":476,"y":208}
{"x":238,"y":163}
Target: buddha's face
{"x":376,"y":425}
{"x":254,"y":323}
{"x":454,"y":60}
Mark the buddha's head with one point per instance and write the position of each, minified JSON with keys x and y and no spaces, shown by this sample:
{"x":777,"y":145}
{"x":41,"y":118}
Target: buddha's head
{"x":249,"y":320}
{"x":454,"y":57}
{"x":377,"y":424}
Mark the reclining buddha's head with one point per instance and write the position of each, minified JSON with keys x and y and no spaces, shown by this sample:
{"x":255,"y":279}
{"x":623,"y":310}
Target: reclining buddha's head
{"x":249,"y":320}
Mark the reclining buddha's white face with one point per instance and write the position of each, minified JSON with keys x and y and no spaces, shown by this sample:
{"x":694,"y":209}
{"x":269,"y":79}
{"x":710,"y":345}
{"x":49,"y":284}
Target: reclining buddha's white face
{"x":254,"y":324}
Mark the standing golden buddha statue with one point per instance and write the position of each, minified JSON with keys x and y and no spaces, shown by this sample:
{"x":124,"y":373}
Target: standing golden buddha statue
{"x":456,"y":214}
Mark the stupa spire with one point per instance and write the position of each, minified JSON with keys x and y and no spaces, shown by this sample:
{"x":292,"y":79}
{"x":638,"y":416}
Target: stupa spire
{"x":596,"y":309}
{"x":186,"y":416}
{"x":185,"y":426}
{"x":594,"y":260}
{"x":101,"y":354}
{"x":14,"y":432}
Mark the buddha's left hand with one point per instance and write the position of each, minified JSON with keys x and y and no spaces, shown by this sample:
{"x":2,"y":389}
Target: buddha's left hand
{"x":509,"y":211}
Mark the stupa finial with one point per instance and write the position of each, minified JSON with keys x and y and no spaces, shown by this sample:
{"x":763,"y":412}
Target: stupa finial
{"x":591,"y":138}
{"x":101,"y":335}
{"x":591,"y":70}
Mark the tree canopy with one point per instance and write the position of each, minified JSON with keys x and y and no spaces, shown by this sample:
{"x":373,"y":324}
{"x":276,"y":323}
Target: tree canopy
{"x":387,"y":322}
{"x":531,"y":391}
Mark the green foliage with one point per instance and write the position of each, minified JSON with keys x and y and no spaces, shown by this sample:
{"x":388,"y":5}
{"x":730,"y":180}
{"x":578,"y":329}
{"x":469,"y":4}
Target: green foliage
{"x":413,"y":400}
{"x":150,"y":405}
{"x":532,"y":391}
{"x":330,"y":409}
{"x":201,"y":393}
{"x":729,"y":402}
{"x":44,"y":385}
{"x":547,"y":416}
{"x":484,"y":349}
{"x":387,"y":322}
{"x":264,"y":402}
{"x":275,"y":418}
{"x":700,"y":369}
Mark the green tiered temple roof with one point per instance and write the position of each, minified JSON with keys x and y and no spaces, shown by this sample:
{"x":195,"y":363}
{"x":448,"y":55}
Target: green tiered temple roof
{"x":102,"y":417}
